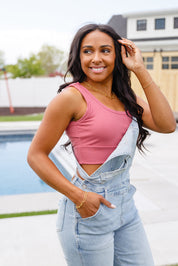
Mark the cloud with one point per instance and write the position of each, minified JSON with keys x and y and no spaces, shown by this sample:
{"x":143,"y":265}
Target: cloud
{"x":20,"y":43}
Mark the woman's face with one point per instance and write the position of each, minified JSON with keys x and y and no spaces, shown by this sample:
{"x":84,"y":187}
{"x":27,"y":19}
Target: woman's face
{"x":97,"y":56}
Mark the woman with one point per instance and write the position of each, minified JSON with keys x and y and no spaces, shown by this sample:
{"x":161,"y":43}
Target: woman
{"x":98,"y":223}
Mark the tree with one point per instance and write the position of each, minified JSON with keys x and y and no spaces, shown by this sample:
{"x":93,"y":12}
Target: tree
{"x":26,"y":68}
{"x":52,"y":59}
{"x":1,"y":61}
{"x":49,"y":60}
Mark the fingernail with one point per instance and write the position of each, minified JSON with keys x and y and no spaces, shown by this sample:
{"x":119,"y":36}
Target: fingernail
{"x":113,"y":206}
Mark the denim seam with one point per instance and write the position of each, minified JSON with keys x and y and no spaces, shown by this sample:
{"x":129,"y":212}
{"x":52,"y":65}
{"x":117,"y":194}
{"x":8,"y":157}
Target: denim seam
{"x":77,"y":237}
{"x":121,"y":216}
{"x":76,"y":228}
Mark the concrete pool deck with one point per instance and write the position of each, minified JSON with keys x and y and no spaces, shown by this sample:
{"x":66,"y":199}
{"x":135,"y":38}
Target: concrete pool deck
{"x":33,"y":241}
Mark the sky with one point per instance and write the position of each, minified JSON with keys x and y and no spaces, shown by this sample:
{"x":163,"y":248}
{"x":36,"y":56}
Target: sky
{"x":27,"y":25}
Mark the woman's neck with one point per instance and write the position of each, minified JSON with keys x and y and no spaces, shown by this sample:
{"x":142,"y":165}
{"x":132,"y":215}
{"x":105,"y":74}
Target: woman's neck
{"x":104,"y":88}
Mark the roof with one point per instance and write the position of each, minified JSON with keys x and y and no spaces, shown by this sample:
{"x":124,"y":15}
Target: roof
{"x":151,"y":13}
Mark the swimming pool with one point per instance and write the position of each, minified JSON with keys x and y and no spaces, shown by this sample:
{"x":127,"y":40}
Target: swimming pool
{"x":16,"y":177}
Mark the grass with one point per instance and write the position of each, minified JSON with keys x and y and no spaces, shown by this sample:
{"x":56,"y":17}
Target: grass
{"x":35,"y":117}
{"x":22,"y":214}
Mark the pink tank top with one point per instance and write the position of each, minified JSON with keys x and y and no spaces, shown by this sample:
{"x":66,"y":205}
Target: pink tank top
{"x":98,"y":132}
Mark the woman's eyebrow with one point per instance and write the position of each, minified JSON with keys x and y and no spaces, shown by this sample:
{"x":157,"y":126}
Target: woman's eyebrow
{"x":87,"y":46}
{"x":102,"y":46}
{"x":106,"y":45}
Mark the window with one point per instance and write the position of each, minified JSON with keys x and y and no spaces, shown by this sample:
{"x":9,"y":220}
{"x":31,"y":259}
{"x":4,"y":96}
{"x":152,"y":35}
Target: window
{"x":174,"y":58}
{"x":174,"y":66}
{"x":170,"y":62}
{"x":175,"y":23}
{"x":148,"y":61}
{"x":159,"y":23}
{"x":174,"y":62}
{"x":165,"y":66}
{"x":165,"y":58}
{"x":141,"y":24}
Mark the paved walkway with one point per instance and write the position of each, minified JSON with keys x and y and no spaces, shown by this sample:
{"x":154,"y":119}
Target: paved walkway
{"x":32,"y":241}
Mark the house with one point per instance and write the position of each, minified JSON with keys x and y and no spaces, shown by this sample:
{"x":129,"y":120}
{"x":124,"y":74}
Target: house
{"x":156,"y":35}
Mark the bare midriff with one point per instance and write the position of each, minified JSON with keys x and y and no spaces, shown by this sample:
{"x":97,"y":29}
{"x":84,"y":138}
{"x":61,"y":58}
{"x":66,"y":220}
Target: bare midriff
{"x":90,"y":168}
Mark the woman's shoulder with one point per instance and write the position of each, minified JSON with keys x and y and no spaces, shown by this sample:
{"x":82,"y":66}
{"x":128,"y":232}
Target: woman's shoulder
{"x":67,"y":101}
{"x":71,"y":94}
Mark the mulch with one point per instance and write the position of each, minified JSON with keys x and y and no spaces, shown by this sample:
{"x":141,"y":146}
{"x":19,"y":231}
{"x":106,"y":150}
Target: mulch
{"x":5,"y":111}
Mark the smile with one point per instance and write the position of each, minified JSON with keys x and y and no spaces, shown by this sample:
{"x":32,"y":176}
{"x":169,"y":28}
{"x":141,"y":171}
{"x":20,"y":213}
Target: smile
{"x":97,"y":69}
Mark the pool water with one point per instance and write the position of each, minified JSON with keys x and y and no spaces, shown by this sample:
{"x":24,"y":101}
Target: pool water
{"x":16,"y":177}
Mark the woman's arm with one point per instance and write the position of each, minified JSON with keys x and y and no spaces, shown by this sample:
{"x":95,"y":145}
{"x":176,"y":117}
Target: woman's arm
{"x":56,"y":118}
{"x":66,"y":106}
{"x":157,"y":114}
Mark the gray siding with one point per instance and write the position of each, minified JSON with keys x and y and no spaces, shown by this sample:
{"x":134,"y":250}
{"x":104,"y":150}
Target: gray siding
{"x":119,"y":24}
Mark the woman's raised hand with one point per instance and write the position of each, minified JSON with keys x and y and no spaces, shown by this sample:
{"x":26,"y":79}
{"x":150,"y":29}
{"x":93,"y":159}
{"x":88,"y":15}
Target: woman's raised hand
{"x":131,"y":55}
{"x":92,"y":205}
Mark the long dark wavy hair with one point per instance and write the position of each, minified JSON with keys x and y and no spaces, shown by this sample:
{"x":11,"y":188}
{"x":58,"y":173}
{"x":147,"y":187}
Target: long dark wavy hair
{"x":121,"y":85}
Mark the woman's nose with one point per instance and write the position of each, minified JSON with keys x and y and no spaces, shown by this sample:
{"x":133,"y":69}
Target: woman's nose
{"x":96,"y":58}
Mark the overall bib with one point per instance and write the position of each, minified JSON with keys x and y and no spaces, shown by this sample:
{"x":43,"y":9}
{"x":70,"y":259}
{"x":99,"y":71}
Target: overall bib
{"x":111,"y":236}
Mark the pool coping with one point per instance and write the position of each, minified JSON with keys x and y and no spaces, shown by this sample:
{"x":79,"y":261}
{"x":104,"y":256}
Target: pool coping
{"x":21,"y":127}
{"x":32,"y":202}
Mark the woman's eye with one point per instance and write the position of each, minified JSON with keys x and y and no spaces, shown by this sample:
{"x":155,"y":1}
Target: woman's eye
{"x":87,"y":51}
{"x":106,"y":51}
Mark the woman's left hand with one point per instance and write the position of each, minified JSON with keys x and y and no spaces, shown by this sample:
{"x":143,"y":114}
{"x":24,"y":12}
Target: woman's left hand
{"x":131,"y":55}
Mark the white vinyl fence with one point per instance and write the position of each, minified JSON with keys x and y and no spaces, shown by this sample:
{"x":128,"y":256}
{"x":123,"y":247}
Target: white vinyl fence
{"x":32,"y":92}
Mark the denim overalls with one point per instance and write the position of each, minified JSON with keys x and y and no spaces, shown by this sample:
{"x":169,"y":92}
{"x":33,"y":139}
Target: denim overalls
{"x":111,"y":236}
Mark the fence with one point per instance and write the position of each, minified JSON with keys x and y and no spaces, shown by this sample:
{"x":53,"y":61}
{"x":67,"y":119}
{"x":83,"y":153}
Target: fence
{"x":33,"y":92}
{"x":38,"y":92}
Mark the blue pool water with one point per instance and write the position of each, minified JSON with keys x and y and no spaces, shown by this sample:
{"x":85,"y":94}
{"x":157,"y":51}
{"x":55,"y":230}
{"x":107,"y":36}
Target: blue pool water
{"x":16,"y":177}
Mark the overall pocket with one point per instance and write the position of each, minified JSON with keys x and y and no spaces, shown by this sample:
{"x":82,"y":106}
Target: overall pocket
{"x":61,"y":214}
{"x":90,"y":217}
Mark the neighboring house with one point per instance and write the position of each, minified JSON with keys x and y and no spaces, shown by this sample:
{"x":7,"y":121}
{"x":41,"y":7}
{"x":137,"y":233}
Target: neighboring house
{"x":156,"y":34}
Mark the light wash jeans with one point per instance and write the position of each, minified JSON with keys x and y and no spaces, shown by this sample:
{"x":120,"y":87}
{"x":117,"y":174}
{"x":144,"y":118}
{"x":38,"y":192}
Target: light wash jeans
{"x":111,"y":236}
